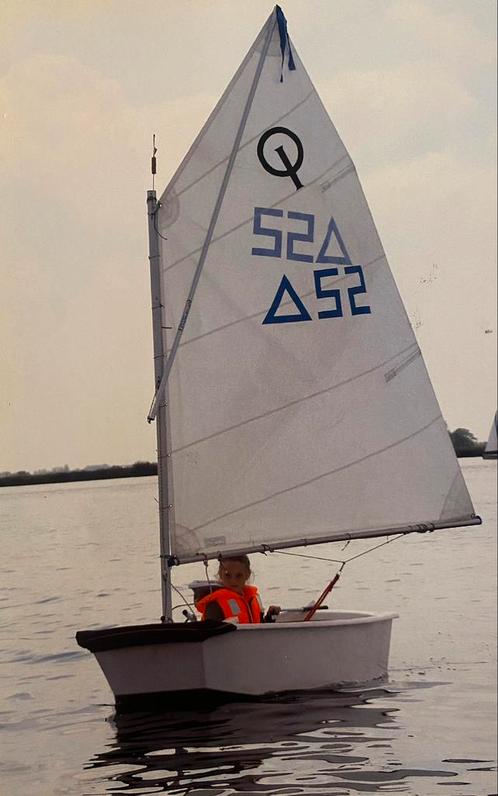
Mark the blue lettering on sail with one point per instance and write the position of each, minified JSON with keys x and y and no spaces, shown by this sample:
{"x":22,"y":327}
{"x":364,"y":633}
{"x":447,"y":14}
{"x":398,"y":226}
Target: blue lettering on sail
{"x":332,"y":250}
{"x":306,"y":237}
{"x":276,"y":234}
{"x":328,"y":293}
{"x":354,"y":291}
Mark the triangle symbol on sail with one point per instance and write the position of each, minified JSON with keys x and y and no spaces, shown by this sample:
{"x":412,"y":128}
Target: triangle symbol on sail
{"x":285,"y":287}
{"x":333,"y":248}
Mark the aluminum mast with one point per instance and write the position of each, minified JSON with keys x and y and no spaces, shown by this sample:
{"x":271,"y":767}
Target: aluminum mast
{"x":161,"y":418}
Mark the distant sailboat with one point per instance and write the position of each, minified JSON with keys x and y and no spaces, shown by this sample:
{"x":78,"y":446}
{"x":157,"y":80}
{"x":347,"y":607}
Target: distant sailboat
{"x":491,"y":449}
{"x":292,"y":402}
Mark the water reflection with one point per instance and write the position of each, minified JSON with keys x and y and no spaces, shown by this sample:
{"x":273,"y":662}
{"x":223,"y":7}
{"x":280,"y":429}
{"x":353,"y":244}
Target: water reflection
{"x":314,"y":744}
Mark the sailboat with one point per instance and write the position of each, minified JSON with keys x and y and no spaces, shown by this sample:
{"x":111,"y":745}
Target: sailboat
{"x":491,"y":449}
{"x":292,"y":403}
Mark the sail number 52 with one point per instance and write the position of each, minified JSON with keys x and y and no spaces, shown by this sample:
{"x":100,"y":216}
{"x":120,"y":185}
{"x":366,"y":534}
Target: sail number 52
{"x":286,"y":296}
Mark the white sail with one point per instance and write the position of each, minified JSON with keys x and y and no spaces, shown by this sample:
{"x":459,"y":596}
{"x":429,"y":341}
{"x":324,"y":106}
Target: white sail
{"x":299,"y":404}
{"x":491,"y":449}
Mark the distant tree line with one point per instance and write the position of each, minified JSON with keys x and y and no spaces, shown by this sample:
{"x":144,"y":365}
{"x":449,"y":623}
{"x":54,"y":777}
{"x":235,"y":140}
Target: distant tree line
{"x":22,"y":477}
{"x":464,"y":443}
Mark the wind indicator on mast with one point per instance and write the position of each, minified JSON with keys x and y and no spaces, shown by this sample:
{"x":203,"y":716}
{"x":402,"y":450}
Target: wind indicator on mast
{"x":153,"y":161}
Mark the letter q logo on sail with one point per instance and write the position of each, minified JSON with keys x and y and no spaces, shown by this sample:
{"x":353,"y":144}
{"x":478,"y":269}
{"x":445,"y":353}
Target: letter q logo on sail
{"x":294,"y":150}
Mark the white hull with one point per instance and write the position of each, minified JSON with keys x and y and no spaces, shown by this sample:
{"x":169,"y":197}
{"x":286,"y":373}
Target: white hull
{"x":335,"y":649}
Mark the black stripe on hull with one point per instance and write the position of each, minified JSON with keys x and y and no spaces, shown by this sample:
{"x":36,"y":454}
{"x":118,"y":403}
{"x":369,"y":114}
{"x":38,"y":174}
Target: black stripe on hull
{"x":113,"y":638}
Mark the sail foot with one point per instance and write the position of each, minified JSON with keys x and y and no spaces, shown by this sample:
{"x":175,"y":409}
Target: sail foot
{"x":423,"y":527}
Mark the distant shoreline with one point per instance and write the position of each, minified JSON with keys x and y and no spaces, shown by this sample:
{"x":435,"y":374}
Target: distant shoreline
{"x":126,"y":471}
{"x":67,"y":476}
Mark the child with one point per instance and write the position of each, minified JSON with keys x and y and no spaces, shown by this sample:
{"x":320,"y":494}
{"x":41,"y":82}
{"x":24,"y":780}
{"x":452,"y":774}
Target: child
{"x":235,"y":599}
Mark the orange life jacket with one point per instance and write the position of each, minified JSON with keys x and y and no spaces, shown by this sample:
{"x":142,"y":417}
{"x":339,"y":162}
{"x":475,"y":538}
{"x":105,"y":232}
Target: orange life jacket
{"x":243,"y":609}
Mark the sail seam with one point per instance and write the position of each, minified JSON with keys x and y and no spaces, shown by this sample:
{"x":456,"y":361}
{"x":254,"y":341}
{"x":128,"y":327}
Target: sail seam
{"x":389,"y":376}
{"x":350,"y":167}
{"x":293,"y":403}
{"x":318,"y":477}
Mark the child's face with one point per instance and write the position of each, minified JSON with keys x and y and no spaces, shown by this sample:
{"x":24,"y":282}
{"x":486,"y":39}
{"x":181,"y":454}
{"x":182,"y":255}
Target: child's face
{"x":233,"y":575}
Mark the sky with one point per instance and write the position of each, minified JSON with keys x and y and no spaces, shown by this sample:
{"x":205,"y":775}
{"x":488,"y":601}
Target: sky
{"x":409,"y":84}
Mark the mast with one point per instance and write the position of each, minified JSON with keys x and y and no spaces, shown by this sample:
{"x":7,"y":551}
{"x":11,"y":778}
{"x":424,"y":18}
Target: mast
{"x":161,"y":418}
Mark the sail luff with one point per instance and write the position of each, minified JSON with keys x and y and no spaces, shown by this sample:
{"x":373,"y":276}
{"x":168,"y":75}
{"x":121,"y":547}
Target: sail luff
{"x":212,"y":225}
{"x":212,"y":116}
{"x":428,"y":527}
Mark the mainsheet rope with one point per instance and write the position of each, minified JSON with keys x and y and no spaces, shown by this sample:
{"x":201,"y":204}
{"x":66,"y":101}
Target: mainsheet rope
{"x":328,"y":588}
{"x":338,"y":560}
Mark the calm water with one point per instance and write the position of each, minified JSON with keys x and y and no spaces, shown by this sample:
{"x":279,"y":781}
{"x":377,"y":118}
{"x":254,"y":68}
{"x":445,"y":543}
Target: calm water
{"x":84,"y":555}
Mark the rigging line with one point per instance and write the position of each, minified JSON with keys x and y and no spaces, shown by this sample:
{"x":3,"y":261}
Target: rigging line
{"x":212,"y":225}
{"x":189,"y":605}
{"x":338,"y":560}
{"x":319,"y":477}
{"x":294,"y":403}
{"x":206,"y":564}
{"x":371,"y":549}
{"x":340,"y":174}
{"x":303,"y":555}
{"x":154,"y":221}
